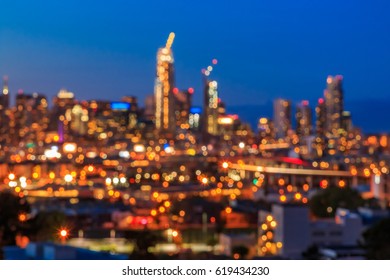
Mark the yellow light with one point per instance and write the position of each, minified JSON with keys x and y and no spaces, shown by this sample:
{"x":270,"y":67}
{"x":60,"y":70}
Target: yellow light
{"x":155,"y":195}
{"x":269,"y":218}
{"x":161,"y":209}
{"x":167,"y":204}
{"x":279,"y":245}
{"x":228,"y":210}
{"x":35,"y":175}
{"x":298,"y":196}
{"x":52,"y":175}
{"x":56,"y":138}
{"x":264,"y":227}
{"x":153,"y":212}
{"x":273,"y":224}
{"x":283,"y":198}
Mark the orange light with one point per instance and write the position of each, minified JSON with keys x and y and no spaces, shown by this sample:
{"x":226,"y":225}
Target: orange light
{"x":228,"y":210}
{"x":22,"y":217}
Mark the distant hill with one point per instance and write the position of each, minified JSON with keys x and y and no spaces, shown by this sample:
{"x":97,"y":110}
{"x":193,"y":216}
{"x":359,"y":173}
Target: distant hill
{"x":373,"y":116}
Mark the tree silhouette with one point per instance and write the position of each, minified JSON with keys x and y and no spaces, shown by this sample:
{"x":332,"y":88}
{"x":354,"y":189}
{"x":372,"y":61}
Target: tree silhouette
{"x":325,"y":202}
{"x":11,"y":207}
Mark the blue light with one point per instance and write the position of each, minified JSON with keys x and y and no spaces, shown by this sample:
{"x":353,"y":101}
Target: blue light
{"x":122,"y":106}
{"x":196,"y":110}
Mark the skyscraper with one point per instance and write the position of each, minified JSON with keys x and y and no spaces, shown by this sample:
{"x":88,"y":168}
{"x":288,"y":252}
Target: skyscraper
{"x":183,"y":102}
{"x":334,"y":105}
{"x":163,"y":89}
{"x":321,"y":118}
{"x":303,"y":118}
{"x":282,"y":117}
{"x":211,"y":107}
{"x":4,"y":112}
{"x":4,"y":97}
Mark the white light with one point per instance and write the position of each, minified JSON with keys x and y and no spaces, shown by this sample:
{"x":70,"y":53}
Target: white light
{"x":69,"y":147}
{"x":139,"y":148}
{"x":241,"y":145}
{"x":68,"y":178}
{"x":124,"y":154}
{"x":115,"y":180}
{"x":377,"y":179}
{"x":123,"y":180}
{"x":22,"y":179}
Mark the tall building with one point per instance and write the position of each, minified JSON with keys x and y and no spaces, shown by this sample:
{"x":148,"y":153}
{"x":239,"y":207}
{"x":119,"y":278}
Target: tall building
{"x":30,"y":117}
{"x":4,"y":97}
{"x":62,"y":113}
{"x":183,"y":101}
{"x":321,"y":118}
{"x":194,"y":118}
{"x":303,"y":119}
{"x":334,"y":105}
{"x":4,"y":112}
{"x":210,"y":107}
{"x":282,"y":117}
{"x":163,"y":89}
{"x":346,"y":121}
{"x":266,"y":129}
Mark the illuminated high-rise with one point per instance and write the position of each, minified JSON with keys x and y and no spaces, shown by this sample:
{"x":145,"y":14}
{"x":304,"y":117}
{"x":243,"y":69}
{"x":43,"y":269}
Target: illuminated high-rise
{"x":183,"y":102}
{"x":334,"y":105}
{"x":4,"y":112}
{"x":321,"y":118}
{"x":4,"y":97}
{"x":211,"y":107}
{"x":282,"y":117}
{"x":303,"y":118}
{"x":163,"y":89}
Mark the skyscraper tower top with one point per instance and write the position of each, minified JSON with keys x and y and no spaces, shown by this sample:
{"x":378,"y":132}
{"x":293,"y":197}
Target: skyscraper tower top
{"x":5,"y":85}
{"x":163,"y":90}
{"x":334,"y":102}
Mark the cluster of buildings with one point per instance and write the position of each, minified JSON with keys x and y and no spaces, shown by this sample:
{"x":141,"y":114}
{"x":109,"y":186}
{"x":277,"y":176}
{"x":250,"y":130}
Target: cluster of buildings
{"x":143,"y":160}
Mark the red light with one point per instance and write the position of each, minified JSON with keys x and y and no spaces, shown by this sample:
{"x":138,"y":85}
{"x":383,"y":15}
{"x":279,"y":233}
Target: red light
{"x":20,"y":91}
{"x":215,"y":61}
{"x":190,"y":90}
{"x":175,"y":90}
{"x":305,"y":103}
{"x":219,"y":100}
{"x":321,"y":100}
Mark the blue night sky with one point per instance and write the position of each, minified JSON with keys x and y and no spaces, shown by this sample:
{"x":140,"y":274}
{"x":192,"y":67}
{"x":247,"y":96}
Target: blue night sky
{"x":265,"y":49}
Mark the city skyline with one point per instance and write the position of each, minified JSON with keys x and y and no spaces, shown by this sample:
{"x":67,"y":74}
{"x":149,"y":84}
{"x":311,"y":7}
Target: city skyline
{"x":261,"y":56}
